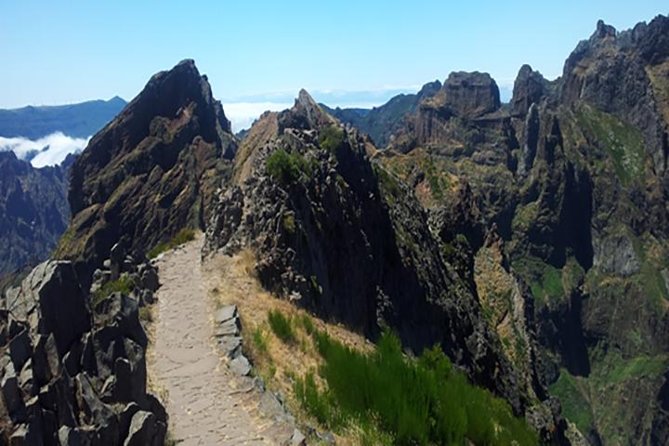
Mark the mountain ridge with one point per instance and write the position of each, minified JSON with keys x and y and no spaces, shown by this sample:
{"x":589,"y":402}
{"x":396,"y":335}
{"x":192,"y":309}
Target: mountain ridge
{"x":79,"y":120}
{"x":528,"y":240}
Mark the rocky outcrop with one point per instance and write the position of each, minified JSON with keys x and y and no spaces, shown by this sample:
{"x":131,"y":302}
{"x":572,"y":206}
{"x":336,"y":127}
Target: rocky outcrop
{"x":529,"y":88}
{"x":74,"y":368}
{"x":347,"y":240}
{"x":572,"y":177}
{"x":615,"y":73}
{"x":33,"y":211}
{"x":151,"y":171}
{"x":471,"y":94}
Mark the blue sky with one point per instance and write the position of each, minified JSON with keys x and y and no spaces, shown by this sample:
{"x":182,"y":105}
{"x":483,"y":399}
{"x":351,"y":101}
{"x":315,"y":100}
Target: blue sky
{"x":265,"y":51}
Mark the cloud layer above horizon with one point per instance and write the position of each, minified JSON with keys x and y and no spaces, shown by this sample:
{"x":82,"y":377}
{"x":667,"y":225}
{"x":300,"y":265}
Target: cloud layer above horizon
{"x":47,"y":151}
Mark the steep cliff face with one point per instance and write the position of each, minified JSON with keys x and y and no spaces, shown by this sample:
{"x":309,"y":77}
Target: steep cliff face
{"x":621,"y":74}
{"x":570,"y":179}
{"x":151,"y":171}
{"x":33,"y":211}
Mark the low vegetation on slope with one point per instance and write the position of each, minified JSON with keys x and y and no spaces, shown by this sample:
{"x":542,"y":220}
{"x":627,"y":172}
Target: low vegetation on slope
{"x":365,"y":394}
{"x":394,"y":399}
{"x":183,"y":236}
{"x":423,"y":401}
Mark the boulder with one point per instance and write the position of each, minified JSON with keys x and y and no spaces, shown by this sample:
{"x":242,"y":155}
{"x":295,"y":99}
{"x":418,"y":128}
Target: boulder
{"x":46,"y":363}
{"x":96,"y":412}
{"x":20,"y":349}
{"x":145,"y":430}
{"x":12,"y":396}
{"x":231,"y":346}
{"x":149,"y":279}
{"x":240,"y":365}
{"x":53,"y":289}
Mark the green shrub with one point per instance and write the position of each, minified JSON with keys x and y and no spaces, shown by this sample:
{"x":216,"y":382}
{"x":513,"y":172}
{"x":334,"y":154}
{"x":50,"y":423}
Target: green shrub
{"x":332,"y":137}
{"x":423,"y":401}
{"x":123,"y":285}
{"x":281,"y":326}
{"x":183,"y":236}
{"x":259,"y":340}
{"x":288,"y":168}
{"x":319,"y":404}
{"x":308,"y":324}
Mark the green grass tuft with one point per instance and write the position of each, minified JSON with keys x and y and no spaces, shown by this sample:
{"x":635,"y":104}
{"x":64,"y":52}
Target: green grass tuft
{"x":259,"y":340}
{"x":281,"y":326}
{"x":183,"y":236}
{"x":123,"y":285}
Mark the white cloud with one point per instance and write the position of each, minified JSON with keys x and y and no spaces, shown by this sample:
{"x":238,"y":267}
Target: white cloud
{"x":47,"y":151}
{"x":242,"y":114}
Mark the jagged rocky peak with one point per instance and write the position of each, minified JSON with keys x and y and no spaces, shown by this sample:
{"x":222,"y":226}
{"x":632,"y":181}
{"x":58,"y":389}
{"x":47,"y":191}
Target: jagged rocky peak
{"x":471,"y":94}
{"x":429,"y":89}
{"x":623,"y":74}
{"x":305,"y":114}
{"x":603,"y":32}
{"x":652,"y":39}
{"x":529,"y":88}
{"x":152,"y":170}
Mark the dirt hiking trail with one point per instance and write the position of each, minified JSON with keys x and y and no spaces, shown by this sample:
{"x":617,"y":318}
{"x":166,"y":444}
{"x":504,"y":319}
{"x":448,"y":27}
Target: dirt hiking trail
{"x":207,"y":404}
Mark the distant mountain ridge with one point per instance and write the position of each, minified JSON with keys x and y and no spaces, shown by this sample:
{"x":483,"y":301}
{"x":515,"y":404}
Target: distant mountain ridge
{"x":381,"y":122}
{"x":33,"y":210}
{"x":75,"y":120}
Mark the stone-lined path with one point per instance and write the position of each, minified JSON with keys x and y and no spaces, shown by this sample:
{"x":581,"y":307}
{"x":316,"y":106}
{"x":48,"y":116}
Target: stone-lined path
{"x":207,"y":404}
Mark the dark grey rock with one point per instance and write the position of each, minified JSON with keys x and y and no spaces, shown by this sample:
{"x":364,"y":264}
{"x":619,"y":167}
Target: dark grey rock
{"x":149,"y":279}
{"x":145,"y":430}
{"x":11,"y":394}
{"x":46,"y":363}
{"x":125,"y":418}
{"x":20,"y":349}
{"x":27,"y":381}
{"x":62,"y":309}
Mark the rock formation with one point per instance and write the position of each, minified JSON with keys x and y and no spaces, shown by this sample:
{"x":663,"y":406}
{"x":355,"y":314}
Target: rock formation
{"x":151,"y":171}
{"x":74,"y":371}
{"x":571,"y":179}
{"x":345,"y":238}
